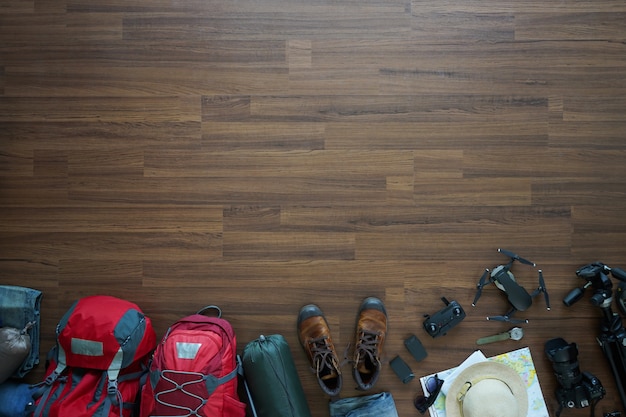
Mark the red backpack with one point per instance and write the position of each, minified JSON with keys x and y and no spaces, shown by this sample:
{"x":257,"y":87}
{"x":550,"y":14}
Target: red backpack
{"x":99,"y":362}
{"x":194,"y":370}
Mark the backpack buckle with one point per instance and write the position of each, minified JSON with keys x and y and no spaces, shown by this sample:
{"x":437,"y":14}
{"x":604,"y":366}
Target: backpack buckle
{"x":51,"y":378}
{"x":112,"y":388}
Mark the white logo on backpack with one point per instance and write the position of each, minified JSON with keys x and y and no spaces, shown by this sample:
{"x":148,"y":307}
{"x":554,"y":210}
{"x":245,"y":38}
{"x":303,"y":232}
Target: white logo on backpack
{"x":185,"y":350}
{"x":87,"y":347}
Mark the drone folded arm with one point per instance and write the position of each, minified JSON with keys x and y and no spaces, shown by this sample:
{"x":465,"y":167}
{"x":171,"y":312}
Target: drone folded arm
{"x":507,"y":317}
{"x":480,"y":285}
{"x":542,"y":289}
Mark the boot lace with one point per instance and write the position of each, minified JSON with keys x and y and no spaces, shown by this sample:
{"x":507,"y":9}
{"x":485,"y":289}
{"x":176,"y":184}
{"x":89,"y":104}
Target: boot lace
{"x":367,"y":348}
{"x":323,"y":356}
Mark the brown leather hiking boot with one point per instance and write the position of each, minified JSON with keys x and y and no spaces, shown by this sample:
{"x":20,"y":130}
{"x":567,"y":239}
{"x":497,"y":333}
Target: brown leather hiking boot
{"x":314,"y":335}
{"x":371,"y":330}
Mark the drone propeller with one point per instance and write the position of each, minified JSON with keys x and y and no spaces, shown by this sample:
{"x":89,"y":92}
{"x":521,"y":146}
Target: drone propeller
{"x":481,"y":284}
{"x":542,"y":288}
{"x":516,"y":257}
{"x":507,"y":319}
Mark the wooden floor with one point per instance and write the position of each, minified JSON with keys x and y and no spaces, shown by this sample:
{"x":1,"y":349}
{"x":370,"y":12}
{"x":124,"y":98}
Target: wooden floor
{"x":263,"y":155}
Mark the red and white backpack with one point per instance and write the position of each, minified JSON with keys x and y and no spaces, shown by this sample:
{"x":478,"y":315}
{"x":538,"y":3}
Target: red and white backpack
{"x":99,"y":362}
{"x":194,"y":370}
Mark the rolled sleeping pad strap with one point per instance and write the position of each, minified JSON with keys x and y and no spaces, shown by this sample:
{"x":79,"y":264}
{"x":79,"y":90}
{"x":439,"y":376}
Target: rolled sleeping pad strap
{"x":272,"y":378}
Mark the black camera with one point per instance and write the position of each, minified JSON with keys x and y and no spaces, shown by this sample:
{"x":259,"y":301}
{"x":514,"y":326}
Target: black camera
{"x":577,"y":389}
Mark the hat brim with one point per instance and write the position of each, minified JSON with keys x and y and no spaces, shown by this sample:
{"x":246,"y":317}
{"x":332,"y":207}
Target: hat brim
{"x":485,"y":370}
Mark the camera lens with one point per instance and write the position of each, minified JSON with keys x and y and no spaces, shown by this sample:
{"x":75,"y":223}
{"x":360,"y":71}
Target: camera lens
{"x":564,"y":358}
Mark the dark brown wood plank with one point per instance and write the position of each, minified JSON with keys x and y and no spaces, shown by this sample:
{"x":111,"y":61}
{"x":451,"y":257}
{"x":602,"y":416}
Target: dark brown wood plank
{"x":203,"y":219}
{"x":54,"y":136}
{"x":100,"y":109}
{"x":591,"y":26}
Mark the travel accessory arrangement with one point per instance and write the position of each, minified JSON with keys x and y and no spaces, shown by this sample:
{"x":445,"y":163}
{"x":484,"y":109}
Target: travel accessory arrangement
{"x":105,"y":364}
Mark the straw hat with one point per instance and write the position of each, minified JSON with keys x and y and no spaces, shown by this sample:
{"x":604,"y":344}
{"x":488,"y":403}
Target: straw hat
{"x":487,"y":389}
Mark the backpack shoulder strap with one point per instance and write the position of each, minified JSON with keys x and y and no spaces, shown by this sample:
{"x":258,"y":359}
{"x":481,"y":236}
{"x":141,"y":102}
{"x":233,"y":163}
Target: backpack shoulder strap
{"x":61,"y":365}
{"x":212,"y":382}
{"x":114,"y":371}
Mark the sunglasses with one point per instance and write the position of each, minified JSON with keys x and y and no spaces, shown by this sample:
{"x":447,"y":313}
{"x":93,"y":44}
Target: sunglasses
{"x":433,"y":387}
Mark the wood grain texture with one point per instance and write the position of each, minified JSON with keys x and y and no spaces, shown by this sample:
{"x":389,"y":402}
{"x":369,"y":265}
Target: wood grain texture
{"x":266,"y":155}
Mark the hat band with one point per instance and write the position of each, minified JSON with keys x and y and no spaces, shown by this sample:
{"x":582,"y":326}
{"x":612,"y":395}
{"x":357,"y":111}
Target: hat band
{"x":469,"y":384}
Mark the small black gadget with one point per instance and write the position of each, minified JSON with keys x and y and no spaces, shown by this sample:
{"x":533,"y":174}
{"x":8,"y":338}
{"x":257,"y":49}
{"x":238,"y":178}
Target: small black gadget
{"x":445,"y":319}
{"x":415,"y":347}
{"x":401,"y":369}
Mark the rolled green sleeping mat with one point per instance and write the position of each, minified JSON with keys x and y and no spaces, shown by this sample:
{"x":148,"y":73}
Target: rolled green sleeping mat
{"x":272,"y":379}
